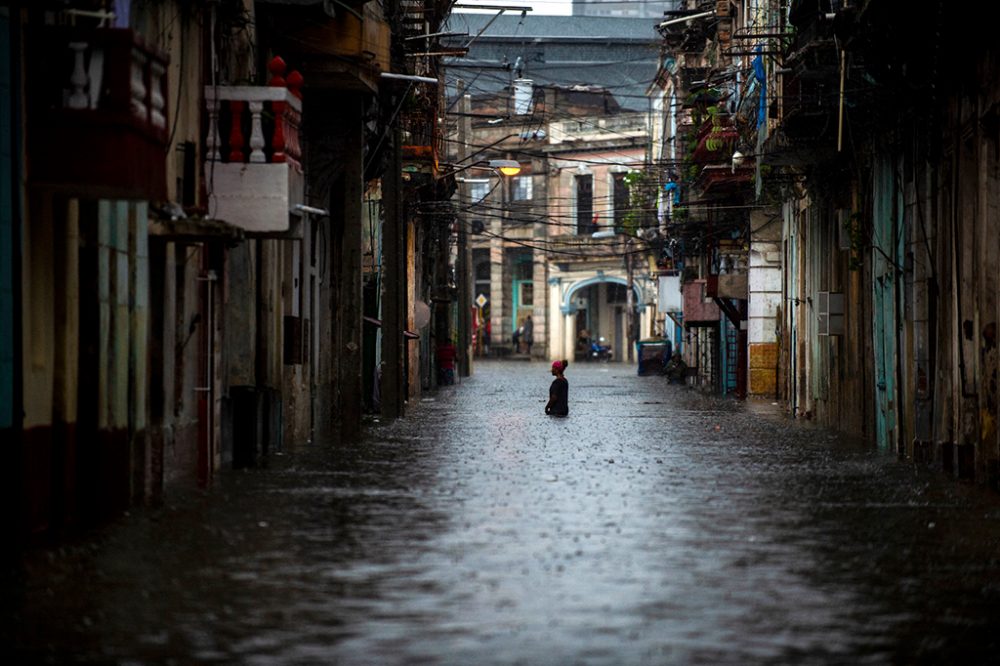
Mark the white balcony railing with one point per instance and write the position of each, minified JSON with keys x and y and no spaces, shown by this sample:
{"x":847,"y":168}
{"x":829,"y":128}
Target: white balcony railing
{"x":97,"y":111}
{"x":253,"y":169}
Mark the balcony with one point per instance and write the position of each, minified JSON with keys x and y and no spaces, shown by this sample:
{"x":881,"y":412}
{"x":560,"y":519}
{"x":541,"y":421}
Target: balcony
{"x":97,"y":120}
{"x":421,"y":138}
{"x":593,"y":129}
{"x":715,"y":140}
{"x":253,"y":171}
{"x":699,"y":308}
{"x":718,"y":181}
{"x":347,"y":51}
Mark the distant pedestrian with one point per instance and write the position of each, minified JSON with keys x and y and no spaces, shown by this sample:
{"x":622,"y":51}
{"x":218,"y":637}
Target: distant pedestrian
{"x":516,"y":338}
{"x":446,"y":354}
{"x":676,"y":369}
{"x":558,"y":404}
{"x":528,"y":333}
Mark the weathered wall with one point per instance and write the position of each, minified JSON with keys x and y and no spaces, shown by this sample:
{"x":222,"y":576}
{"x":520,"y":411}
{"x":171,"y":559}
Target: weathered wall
{"x":764,"y":280}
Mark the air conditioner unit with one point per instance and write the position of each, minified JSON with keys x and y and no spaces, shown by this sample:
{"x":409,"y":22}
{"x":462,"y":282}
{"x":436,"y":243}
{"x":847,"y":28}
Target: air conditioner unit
{"x":830,"y":312}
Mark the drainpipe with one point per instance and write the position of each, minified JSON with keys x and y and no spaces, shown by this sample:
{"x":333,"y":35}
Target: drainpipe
{"x":207,"y":389}
{"x":629,"y":302}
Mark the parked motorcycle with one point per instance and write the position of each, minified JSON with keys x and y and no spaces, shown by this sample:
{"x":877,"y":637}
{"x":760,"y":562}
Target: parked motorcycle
{"x":599,"y":351}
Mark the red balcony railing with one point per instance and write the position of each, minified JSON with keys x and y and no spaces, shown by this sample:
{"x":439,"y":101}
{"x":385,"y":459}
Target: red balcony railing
{"x":253,"y":168}
{"x":256,"y":124}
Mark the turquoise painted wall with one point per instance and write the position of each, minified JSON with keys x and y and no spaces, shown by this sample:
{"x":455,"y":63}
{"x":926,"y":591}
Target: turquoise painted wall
{"x":888,"y":254}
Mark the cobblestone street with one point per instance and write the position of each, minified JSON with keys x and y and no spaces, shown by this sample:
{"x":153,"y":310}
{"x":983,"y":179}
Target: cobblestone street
{"x":651,"y":526}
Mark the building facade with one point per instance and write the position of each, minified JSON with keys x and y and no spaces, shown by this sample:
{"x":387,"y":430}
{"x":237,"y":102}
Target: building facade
{"x":856,"y":138}
{"x":209,"y":251}
{"x":559,"y":241}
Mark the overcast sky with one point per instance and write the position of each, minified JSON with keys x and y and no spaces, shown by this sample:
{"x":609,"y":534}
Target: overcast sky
{"x":551,"y":7}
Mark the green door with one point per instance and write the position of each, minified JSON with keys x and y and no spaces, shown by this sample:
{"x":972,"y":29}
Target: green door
{"x":888,"y":246}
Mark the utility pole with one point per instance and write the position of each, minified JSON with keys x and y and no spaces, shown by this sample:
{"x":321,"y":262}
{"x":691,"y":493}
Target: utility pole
{"x":629,"y":301}
{"x":463,"y":261}
{"x":351,"y":309}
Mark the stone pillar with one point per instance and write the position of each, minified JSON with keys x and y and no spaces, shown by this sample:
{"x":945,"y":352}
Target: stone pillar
{"x":569,"y":322}
{"x":393,"y":288}
{"x":556,"y":333}
{"x":764,"y":279}
{"x":499,"y":335}
{"x":351,"y":310}
{"x":540,"y":310}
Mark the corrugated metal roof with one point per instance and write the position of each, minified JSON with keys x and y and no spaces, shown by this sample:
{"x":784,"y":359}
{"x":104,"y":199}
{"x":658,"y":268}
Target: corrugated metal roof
{"x":619,"y":54}
{"x":595,"y":28}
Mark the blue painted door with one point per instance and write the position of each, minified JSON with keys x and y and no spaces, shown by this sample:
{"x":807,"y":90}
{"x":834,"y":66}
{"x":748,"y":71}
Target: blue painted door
{"x":887,"y":248}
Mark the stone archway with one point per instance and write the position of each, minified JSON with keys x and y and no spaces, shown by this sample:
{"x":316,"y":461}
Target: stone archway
{"x":564,"y":335}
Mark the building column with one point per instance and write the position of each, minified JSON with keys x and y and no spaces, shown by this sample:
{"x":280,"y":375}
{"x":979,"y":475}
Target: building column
{"x":540,"y":310}
{"x":393,"y":288}
{"x":352,"y":250}
{"x":463,"y":264}
{"x":556,"y":333}
{"x":569,"y":336}
{"x":499,"y":335}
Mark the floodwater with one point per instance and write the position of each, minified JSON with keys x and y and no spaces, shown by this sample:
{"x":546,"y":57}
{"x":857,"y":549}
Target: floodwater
{"x":652,"y":526}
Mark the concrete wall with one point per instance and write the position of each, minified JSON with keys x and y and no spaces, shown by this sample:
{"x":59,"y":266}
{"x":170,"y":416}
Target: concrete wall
{"x":765,"y":303}
{"x":84,"y":285}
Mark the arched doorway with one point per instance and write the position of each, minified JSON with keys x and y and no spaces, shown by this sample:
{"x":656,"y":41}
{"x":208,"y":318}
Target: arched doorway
{"x":596,"y":310}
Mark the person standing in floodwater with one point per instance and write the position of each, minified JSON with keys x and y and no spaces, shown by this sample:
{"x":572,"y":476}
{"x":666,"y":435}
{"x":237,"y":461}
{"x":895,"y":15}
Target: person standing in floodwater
{"x":558,"y":404}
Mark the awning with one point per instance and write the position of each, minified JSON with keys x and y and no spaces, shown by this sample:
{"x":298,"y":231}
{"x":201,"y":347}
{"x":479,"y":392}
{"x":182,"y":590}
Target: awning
{"x":175,"y":225}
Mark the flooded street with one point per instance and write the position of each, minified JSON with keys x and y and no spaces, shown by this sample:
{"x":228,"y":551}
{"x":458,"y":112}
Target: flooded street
{"x":651,"y":526}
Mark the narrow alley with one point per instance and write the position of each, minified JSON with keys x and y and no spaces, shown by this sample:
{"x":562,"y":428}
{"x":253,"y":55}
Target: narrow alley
{"x":654,"y":525}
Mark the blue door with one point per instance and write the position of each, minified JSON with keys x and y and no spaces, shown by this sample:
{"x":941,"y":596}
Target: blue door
{"x":887,"y":250}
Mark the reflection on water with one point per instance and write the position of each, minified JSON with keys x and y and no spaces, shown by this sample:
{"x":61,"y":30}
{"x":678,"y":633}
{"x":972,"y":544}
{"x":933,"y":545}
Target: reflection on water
{"x":651,"y":526}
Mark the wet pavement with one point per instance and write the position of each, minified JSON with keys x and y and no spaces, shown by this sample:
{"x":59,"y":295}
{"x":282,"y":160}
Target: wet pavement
{"x":652,"y":526}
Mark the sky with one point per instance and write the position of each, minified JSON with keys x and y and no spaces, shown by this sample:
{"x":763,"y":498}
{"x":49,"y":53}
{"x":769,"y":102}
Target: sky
{"x":538,"y":7}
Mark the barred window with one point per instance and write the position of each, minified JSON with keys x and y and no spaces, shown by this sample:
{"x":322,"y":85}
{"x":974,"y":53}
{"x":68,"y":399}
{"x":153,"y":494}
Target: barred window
{"x":521,"y":188}
{"x":478,"y":189}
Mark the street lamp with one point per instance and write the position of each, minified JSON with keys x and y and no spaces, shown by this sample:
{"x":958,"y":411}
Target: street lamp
{"x":506,"y":167}
{"x":503,"y":167}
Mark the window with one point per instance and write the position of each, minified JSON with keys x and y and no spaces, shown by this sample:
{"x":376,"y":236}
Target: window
{"x":524,"y":269}
{"x":585,"y":222}
{"x":527,"y":293}
{"x":521,"y":188}
{"x":620,"y":203}
{"x":478,"y":189}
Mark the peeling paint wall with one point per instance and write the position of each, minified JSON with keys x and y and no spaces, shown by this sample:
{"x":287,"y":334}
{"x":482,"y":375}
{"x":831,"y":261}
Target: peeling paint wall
{"x":764,"y":280}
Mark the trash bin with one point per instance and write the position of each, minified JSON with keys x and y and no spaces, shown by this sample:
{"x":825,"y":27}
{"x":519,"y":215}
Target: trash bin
{"x":652,"y":354}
